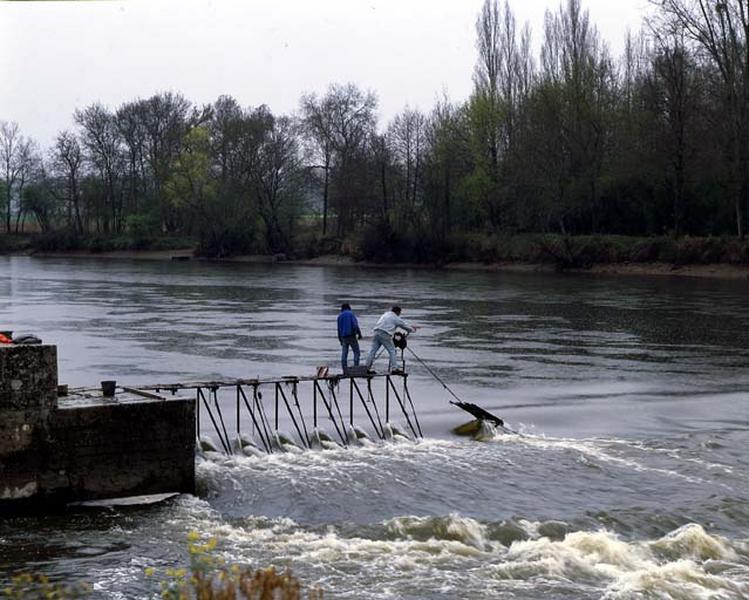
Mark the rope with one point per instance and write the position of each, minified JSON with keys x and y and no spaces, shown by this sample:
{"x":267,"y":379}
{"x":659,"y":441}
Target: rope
{"x":453,"y":394}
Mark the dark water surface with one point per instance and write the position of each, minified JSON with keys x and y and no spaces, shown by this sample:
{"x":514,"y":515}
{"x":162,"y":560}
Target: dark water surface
{"x":631,"y":478}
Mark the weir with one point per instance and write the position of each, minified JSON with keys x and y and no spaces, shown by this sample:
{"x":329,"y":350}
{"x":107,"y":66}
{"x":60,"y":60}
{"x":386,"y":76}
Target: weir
{"x":59,"y":446}
{"x":258,"y":407}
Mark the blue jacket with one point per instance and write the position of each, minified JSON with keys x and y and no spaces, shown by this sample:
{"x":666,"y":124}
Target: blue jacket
{"x":347,"y":324}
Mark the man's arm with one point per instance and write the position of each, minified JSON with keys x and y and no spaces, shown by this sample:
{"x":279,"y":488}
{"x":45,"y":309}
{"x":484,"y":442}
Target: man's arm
{"x":403,"y":325}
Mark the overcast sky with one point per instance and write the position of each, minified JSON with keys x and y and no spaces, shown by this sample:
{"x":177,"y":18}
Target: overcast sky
{"x":57,"y":56}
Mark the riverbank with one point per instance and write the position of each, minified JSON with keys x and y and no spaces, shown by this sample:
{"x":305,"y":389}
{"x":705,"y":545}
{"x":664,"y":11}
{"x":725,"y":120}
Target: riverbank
{"x":656,"y":268}
{"x":709,"y":257}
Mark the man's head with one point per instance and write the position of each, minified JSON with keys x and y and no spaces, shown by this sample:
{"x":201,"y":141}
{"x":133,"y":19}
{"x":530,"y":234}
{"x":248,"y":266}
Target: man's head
{"x":345,"y":306}
{"x":396,"y":309}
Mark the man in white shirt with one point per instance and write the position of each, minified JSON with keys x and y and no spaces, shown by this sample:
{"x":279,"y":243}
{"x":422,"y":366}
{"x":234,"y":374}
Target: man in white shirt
{"x":383,"y":336}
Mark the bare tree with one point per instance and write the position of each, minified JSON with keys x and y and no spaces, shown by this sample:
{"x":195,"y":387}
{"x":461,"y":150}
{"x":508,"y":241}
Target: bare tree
{"x":16,"y":156}
{"x":504,"y":70}
{"x":447,"y":160}
{"x":319,"y":133}
{"x":721,"y":31}
{"x":277,"y":182}
{"x":339,"y":125}
{"x":103,"y":144}
{"x":67,"y":160}
{"x":132,"y":131}
{"x":502,"y":81}
{"x":30,"y":163}
{"x":38,"y":199}
{"x":578,"y":79}
{"x":153,"y":129}
{"x":672,"y":89}
{"x":406,"y":138}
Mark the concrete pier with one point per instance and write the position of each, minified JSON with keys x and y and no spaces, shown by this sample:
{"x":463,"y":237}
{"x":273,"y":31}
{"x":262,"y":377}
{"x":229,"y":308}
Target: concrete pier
{"x":87,"y":446}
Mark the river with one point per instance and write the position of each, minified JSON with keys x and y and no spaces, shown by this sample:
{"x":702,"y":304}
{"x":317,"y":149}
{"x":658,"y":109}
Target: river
{"x":630,"y":478}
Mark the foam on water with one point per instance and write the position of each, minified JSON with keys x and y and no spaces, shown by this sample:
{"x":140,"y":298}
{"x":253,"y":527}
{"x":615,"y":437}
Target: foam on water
{"x":454,"y":527}
{"x":457,"y":553}
{"x":681,"y":564}
{"x":395,"y":557}
{"x":599,"y":450}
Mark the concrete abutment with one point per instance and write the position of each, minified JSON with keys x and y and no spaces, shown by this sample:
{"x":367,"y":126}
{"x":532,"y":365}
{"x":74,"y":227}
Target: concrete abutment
{"x":85,"y":447}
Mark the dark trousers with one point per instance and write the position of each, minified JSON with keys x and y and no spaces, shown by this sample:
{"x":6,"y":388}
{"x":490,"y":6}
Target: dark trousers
{"x":346,"y":341}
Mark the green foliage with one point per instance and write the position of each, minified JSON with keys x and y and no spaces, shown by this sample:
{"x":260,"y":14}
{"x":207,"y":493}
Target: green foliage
{"x":381,"y":243}
{"x":207,"y":577}
{"x":210,"y":578}
{"x":27,"y":586}
{"x":142,"y":230}
{"x":570,"y":151}
{"x":68,"y":240}
{"x":64,"y":240}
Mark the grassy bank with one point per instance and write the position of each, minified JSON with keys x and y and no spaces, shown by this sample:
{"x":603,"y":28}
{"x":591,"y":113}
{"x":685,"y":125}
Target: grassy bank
{"x":584,"y":252}
{"x":556,"y":251}
{"x":66,"y":241}
{"x":562,"y":252}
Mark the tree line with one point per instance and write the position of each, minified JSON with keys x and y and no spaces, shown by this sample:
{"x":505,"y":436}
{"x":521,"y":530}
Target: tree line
{"x":568,"y":140}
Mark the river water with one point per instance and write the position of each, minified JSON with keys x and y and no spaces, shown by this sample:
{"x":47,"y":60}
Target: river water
{"x":630,"y":478}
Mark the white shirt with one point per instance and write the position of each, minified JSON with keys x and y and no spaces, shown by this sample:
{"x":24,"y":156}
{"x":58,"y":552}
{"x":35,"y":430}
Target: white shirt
{"x":389,"y":322}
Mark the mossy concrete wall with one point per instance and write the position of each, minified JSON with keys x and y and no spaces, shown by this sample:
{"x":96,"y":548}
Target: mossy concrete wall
{"x":55,"y":452}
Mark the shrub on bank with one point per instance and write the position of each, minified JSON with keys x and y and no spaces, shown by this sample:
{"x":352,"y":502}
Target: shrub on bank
{"x":65,"y":240}
{"x":380,"y":243}
{"x":60,"y":240}
{"x":14,"y":243}
{"x":311,"y":245}
{"x":585,"y":251}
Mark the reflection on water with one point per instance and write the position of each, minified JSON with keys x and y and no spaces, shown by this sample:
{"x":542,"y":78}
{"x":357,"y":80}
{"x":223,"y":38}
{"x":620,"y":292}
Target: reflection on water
{"x":631,"y":479}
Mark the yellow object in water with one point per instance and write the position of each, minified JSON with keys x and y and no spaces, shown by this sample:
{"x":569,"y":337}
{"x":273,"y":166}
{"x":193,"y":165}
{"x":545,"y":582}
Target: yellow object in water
{"x":469,"y":428}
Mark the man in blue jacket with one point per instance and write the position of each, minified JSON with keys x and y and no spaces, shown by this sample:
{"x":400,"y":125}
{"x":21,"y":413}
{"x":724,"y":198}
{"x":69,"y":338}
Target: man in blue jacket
{"x":348,"y":332}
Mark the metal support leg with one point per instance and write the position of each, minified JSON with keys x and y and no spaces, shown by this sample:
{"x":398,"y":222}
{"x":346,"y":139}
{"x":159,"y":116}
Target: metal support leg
{"x":374,"y":404}
{"x":351,"y":402}
{"x":239,"y":428}
{"x":302,"y":437}
{"x":266,"y":442}
{"x":301,"y":415}
{"x":214,"y":393}
{"x":213,"y":420}
{"x":366,"y":408}
{"x":387,"y":399}
{"x":330,"y":413}
{"x":314,"y":405}
{"x":276,"y":417}
{"x":403,"y":408}
{"x":407,"y":394}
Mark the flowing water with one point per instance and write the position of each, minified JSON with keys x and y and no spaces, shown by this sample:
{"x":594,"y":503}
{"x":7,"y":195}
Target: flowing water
{"x":630,"y":479}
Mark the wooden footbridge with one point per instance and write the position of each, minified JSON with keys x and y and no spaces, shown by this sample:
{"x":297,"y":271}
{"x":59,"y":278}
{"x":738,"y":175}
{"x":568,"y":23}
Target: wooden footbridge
{"x":256,"y":409}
